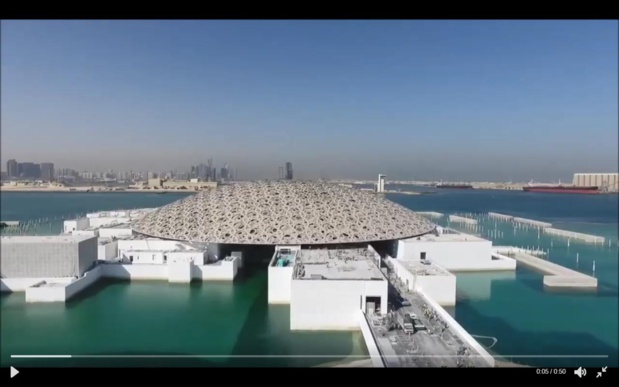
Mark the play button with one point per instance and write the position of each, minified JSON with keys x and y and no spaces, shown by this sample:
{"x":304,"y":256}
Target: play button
{"x":13,"y":372}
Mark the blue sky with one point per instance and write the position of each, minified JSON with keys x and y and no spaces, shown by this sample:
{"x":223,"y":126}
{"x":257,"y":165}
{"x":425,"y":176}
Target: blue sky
{"x":463,"y":100}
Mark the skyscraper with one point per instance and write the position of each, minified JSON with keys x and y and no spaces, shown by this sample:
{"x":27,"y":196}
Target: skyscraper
{"x":47,"y":171}
{"x":11,"y":168}
{"x":288,"y":170}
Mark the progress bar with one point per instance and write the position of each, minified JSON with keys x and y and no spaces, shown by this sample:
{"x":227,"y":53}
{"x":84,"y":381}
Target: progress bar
{"x":293,"y":356}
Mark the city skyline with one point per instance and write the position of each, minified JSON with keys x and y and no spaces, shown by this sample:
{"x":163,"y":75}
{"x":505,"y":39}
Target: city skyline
{"x":451,"y":100}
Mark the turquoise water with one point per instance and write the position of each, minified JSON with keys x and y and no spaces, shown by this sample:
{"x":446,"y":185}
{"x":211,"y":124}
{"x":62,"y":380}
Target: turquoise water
{"x":235,"y":319}
{"x":514,"y":307}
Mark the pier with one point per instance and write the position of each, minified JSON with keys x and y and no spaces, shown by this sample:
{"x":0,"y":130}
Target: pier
{"x":434,"y":340}
{"x":9,"y":223}
{"x":504,"y":217}
{"x":460,"y":219}
{"x":557,"y":276}
{"x":531,"y":222}
{"x":430,"y":214}
{"x":575,"y":235}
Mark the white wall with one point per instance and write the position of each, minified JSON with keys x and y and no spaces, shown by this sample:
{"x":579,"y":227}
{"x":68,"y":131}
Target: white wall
{"x":280,"y":284}
{"x":280,"y":278}
{"x":197,"y":257}
{"x":115,"y":232}
{"x":142,"y":257}
{"x":109,"y":214}
{"x":454,"y":256}
{"x":461,"y":332}
{"x":226,"y":270}
{"x":332,"y":304}
{"x":106,"y":221}
{"x":21,"y":284}
{"x":135,"y":272}
{"x":86,"y":232}
{"x":370,"y":342}
{"x":217,"y":271}
{"x":75,"y":224}
{"x":442,"y":288}
{"x":108,"y":251}
{"x":180,"y":271}
{"x":89,"y":278}
{"x":149,"y":244}
{"x":62,"y":291}
{"x":377,"y":259}
{"x":44,"y":293}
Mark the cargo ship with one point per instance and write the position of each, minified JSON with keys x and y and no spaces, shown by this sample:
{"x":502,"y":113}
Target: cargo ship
{"x":454,"y":186}
{"x":566,"y":189}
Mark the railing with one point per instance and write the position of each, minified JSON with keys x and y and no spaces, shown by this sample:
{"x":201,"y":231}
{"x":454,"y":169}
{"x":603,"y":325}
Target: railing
{"x":380,"y":352}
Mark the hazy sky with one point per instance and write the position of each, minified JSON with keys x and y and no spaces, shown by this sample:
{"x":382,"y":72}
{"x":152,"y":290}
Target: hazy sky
{"x":453,"y":100}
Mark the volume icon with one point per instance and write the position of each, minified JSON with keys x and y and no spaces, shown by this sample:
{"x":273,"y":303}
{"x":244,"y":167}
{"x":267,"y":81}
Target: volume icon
{"x":580,"y":372}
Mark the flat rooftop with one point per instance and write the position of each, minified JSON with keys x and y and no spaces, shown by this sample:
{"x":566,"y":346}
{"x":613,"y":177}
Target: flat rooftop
{"x":337,"y":264}
{"x":445,"y":238}
{"x":46,"y":239}
{"x":429,"y":269}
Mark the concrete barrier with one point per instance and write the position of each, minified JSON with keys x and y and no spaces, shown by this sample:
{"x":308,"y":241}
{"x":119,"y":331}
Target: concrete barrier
{"x":370,"y":342}
{"x":89,"y":278}
{"x":218,"y":271}
{"x":532,"y":222}
{"x":460,"y":219}
{"x":575,"y":235}
{"x":430,"y":214}
{"x":461,"y":332}
{"x":135,"y":272}
{"x":21,"y":284}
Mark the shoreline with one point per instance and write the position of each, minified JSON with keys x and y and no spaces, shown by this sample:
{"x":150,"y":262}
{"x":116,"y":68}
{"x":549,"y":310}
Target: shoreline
{"x":88,"y":190}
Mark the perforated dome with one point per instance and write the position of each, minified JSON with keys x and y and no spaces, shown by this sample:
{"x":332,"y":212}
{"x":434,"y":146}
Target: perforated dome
{"x":283,"y":212}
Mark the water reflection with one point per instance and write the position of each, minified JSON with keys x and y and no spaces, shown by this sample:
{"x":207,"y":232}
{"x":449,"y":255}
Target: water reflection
{"x":478,"y":286}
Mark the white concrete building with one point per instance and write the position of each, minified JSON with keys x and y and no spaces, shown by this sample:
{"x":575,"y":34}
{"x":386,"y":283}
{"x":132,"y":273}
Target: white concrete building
{"x":330,"y":286}
{"x":33,"y":260}
{"x":428,"y":278}
{"x":122,"y":230}
{"x":107,"y":249}
{"x":281,"y":269}
{"x":453,"y":251}
{"x":154,"y":251}
{"x":75,"y":224}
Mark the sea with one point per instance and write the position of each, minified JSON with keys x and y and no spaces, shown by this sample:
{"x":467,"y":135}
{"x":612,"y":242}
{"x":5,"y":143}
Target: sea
{"x":231,"y":324}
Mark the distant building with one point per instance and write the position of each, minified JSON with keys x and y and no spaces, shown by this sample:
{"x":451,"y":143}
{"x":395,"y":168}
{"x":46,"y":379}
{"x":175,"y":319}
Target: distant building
{"x":288,"y":171}
{"x":604,"y":181}
{"x":29,"y":170}
{"x":11,"y":168}
{"x":47,"y":171}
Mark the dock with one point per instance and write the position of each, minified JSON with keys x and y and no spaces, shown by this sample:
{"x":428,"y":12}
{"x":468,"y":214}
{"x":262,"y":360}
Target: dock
{"x":574,"y":235}
{"x":531,"y":222}
{"x":496,"y":215}
{"x":436,"y":339}
{"x":430,"y":214}
{"x":557,"y":276}
{"x":9,"y":223}
{"x":461,"y":219}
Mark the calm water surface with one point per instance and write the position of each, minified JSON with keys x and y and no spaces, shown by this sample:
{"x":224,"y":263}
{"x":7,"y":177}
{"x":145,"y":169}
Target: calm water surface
{"x":235,"y":319}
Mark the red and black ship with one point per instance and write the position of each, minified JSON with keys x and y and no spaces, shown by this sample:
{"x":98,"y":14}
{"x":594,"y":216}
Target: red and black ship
{"x":566,"y":189}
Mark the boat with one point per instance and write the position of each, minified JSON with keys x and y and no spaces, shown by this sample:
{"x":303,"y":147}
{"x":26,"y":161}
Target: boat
{"x":566,"y":189}
{"x":454,"y":186}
